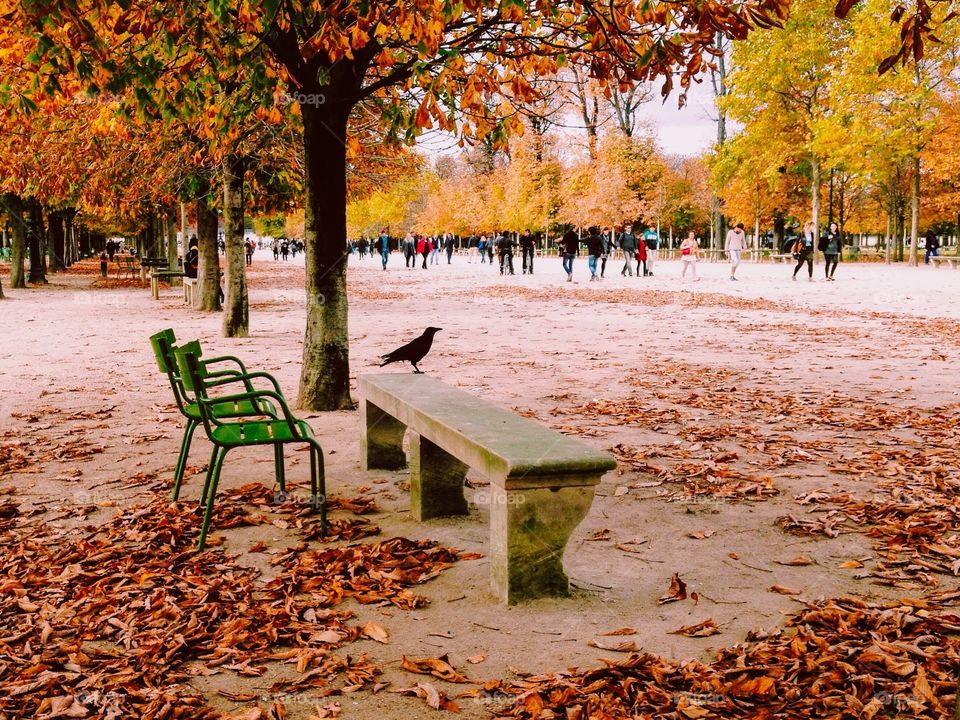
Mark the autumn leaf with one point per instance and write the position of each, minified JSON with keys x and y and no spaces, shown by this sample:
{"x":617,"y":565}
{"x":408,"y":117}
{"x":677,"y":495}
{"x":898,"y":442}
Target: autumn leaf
{"x":702,"y":629}
{"x":375,"y":632}
{"x":783,"y":590}
{"x":676,"y":591}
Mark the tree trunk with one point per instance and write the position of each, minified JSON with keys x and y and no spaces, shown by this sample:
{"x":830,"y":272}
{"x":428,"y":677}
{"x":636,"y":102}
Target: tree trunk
{"x":37,"y":270}
{"x":183,"y":228}
{"x":815,"y":200}
{"x":18,"y":248}
{"x":171,"y":223}
{"x":325,"y":377}
{"x":207,"y":290}
{"x":70,"y":236}
{"x":915,"y":211}
{"x":57,"y":241}
{"x":236,"y":315}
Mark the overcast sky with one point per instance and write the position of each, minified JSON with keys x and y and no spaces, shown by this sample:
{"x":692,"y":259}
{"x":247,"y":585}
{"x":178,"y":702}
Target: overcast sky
{"x":683,"y":131}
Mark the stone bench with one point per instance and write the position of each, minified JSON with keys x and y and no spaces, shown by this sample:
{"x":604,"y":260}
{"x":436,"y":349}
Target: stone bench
{"x":541,"y":482}
{"x":782,"y":257}
{"x":951,"y":261}
{"x":188,"y":287}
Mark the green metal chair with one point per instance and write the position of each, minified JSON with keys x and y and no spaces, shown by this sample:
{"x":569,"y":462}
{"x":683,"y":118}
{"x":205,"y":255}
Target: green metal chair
{"x":227,"y":434}
{"x":164,"y":345}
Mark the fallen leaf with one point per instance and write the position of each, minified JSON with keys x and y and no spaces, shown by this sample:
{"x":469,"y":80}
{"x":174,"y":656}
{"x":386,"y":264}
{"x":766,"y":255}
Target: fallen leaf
{"x":783,"y":590}
{"x":676,"y":591}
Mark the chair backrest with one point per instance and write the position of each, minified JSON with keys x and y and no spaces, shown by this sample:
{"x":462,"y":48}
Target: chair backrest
{"x":188,"y":355}
{"x":163,"y":343}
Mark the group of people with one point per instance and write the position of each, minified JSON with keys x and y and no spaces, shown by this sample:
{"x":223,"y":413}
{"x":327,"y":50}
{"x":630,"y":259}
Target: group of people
{"x":601,"y":245}
{"x":284,"y":248}
{"x":829,"y":243}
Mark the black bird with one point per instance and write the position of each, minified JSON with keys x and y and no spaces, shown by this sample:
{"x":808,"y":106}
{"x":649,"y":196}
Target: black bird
{"x":414,"y":351}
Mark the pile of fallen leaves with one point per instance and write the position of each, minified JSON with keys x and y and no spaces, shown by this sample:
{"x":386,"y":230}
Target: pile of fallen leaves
{"x":113,"y":620}
{"x":839,"y":659}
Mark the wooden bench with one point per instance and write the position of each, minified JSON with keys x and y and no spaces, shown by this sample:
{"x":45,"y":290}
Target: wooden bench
{"x":157,"y":275}
{"x":952,"y":261}
{"x":541,"y":482}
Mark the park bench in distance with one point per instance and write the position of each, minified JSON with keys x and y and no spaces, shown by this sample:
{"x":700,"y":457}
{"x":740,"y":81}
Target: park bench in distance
{"x":951,"y":261}
{"x":541,"y":482}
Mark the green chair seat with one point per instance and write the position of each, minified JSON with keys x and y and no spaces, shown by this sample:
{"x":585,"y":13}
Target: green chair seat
{"x":241,"y":408}
{"x":258,"y":432}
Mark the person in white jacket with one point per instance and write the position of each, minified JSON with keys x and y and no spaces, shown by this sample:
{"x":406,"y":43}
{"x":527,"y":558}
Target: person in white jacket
{"x":735,"y":247}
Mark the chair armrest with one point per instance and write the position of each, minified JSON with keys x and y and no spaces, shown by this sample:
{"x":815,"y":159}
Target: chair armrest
{"x":246,"y":377}
{"x":225,"y":358}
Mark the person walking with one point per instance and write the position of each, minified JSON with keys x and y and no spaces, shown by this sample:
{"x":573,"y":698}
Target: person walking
{"x":689,"y":252}
{"x":570,"y":246}
{"x":594,"y":244}
{"x":651,"y":241}
{"x":275,"y":247}
{"x":423,"y":249}
{"x":607,"y":238}
{"x":505,"y":250}
{"x":641,"y":257}
{"x":435,"y":250}
{"x":735,"y":246}
{"x":832,"y":247}
{"x":285,"y":250}
{"x":383,"y":247}
{"x":628,"y":245}
{"x":931,"y":246}
{"x":803,"y":250}
{"x":448,"y":246}
{"x":409,"y":251}
{"x":482,"y":248}
{"x":526,"y":251}
{"x":248,"y":247}
{"x":362,"y":247}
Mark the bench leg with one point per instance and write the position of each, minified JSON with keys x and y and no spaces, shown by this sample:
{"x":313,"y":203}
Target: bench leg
{"x":529,"y":530}
{"x":436,"y":481}
{"x":381,"y":439}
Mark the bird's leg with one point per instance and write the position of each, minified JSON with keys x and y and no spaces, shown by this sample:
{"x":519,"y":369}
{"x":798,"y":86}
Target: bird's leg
{"x":416,"y":370}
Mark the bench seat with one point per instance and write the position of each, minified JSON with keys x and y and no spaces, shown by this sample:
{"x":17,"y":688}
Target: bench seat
{"x":541,"y":482}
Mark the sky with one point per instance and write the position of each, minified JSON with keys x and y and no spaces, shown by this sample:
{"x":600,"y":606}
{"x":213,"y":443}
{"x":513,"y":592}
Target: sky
{"x":686,"y":131}
{"x":683,"y":131}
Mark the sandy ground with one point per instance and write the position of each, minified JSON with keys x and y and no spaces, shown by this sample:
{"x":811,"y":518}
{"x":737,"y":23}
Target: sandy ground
{"x":758,"y":390}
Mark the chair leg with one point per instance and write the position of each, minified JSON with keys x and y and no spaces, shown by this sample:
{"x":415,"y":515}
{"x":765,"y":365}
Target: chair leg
{"x":211,"y":493}
{"x":182,"y":460}
{"x":318,"y":485}
{"x":278,"y":468}
{"x":206,"y":481}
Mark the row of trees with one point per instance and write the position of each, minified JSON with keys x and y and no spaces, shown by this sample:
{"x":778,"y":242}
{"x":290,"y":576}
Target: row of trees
{"x":539,"y":186}
{"x":823,"y":112}
{"x":116,"y":112}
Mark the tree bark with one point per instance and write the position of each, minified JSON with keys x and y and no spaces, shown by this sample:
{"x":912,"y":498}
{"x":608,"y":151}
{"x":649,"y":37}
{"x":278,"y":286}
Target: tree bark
{"x":207,"y":291}
{"x":915,"y":211}
{"x":325,"y":377}
{"x":815,"y":200}
{"x":171,"y":227}
{"x":57,"y":241}
{"x":236,"y":315}
{"x":18,"y":247}
{"x":37,"y":267}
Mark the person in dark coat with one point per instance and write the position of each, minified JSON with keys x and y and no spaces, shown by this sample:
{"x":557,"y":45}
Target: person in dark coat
{"x":931,"y":246}
{"x":570,"y":247}
{"x":628,"y":244}
{"x":526,"y":251}
{"x":594,"y":244}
